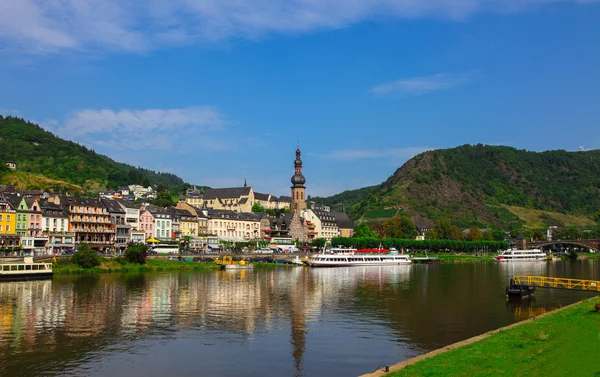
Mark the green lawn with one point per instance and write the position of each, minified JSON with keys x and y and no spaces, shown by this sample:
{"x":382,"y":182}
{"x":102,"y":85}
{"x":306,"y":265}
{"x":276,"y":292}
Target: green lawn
{"x":565,"y":343}
{"x":65,"y":266}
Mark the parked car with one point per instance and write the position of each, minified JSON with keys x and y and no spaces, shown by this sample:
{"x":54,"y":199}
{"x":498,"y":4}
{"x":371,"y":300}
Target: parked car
{"x":263,"y":251}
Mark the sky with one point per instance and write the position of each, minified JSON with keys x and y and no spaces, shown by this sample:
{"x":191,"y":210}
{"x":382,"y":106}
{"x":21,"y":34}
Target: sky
{"x":216,"y":91}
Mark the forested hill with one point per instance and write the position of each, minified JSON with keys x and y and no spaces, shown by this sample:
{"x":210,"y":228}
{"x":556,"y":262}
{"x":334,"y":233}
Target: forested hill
{"x":346,"y":199}
{"x":489,"y":185}
{"x":38,"y":151}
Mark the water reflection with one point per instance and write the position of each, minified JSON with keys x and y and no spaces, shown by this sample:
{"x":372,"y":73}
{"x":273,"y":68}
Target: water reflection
{"x":282,"y":322}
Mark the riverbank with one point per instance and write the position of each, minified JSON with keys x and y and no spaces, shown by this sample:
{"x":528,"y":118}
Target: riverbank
{"x":65,"y":266}
{"x":560,"y":343}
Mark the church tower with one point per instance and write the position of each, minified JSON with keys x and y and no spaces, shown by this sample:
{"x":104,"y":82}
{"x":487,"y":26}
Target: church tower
{"x":298,"y":180}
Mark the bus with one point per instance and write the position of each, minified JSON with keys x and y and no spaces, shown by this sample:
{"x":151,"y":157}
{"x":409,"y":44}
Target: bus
{"x":165,"y":249}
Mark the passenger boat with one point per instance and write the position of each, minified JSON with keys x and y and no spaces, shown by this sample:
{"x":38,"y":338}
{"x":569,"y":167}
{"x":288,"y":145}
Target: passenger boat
{"x":361,"y":257}
{"x":533,"y":255}
{"x":26,"y":270}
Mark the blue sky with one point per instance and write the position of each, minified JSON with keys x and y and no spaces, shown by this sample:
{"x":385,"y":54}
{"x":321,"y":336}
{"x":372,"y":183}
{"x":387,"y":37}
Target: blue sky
{"x":216,"y":90}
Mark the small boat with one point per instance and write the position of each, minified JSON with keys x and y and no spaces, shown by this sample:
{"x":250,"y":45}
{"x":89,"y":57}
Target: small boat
{"x":26,"y":270}
{"x":533,"y":255}
{"x":228,"y":263}
{"x":297,"y":261}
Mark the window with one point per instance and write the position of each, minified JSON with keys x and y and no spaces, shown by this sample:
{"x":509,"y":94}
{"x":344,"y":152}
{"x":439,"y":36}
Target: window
{"x":0,"y":227}
{"x":8,"y":228}
{"x":7,"y":217}
{"x":0,"y":217}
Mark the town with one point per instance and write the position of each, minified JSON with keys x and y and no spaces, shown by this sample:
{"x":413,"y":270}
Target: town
{"x":37,"y":222}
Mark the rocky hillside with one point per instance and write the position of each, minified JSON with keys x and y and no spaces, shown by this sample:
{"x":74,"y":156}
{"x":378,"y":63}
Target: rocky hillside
{"x":491,"y":185}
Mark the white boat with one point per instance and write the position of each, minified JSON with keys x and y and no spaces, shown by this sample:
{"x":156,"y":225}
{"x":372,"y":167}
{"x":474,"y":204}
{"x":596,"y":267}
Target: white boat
{"x":357,"y":259}
{"x":245,"y":266}
{"x":27,"y":270}
{"x":533,"y":255}
{"x":297,"y":261}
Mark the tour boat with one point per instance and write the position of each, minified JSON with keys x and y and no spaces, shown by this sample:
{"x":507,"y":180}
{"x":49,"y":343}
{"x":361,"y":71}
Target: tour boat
{"x":533,"y":255}
{"x":356,"y":258}
{"x":26,"y":270}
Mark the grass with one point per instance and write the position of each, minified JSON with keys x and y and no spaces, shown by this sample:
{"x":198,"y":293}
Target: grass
{"x":25,"y":180}
{"x":381,"y":213}
{"x":564,"y":343}
{"x":65,"y":266}
{"x":534,"y":218}
{"x":457,"y":258}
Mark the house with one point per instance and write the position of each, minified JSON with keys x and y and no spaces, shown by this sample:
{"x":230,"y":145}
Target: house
{"x":234,"y":226}
{"x":320,"y":224}
{"x":147,"y":224}
{"x":163,"y":223}
{"x":132,"y":212}
{"x":55,"y":226}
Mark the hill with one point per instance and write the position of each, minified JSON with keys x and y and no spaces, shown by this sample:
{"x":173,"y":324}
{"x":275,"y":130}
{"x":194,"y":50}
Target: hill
{"x":491,"y":186}
{"x":346,"y":199}
{"x":42,"y":154}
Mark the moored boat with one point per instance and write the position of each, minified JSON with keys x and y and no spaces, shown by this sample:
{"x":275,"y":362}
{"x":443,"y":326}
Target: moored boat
{"x":359,"y":258}
{"x":26,"y":270}
{"x":533,"y":255}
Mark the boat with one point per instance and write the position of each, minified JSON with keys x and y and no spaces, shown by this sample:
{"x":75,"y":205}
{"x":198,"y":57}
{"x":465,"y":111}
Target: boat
{"x":228,"y":263}
{"x":533,"y":255}
{"x":25,"y":270}
{"x":297,"y":261}
{"x":361,"y":257}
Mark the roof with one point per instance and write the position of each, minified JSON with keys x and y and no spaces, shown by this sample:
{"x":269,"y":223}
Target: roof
{"x":260,"y":196}
{"x":227,"y":193}
{"x":84,"y":202}
{"x":47,"y":206}
{"x":112,"y":206}
{"x":127,"y":203}
{"x":227,"y":214}
{"x":343,"y":220}
{"x":324,"y":216}
{"x":287,"y":199}
{"x":243,"y":201}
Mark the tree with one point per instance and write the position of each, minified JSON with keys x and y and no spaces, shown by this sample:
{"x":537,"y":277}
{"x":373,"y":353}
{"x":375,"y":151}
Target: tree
{"x":318,"y":242}
{"x":474,"y":234}
{"x":257,"y":207}
{"x":85,"y":257}
{"x":363,"y":230}
{"x":136,"y":253}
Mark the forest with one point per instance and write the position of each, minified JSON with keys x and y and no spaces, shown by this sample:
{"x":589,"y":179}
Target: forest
{"x":36,"y":150}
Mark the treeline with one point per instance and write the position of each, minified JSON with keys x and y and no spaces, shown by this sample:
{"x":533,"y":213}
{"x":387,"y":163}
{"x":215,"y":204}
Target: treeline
{"x":38,"y":151}
{"x":435,"y":246}
{"x":346,"y":199}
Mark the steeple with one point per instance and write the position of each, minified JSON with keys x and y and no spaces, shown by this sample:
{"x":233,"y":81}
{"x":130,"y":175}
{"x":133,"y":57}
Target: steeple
{"x":298,"y":181}
{"x":245,"y":185}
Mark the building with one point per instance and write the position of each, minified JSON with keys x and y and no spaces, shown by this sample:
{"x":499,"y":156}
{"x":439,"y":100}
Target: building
{"x":147,"y":223}
{"x":55,"y":226}
{"x":320,"y":224}
{"x":296,"y":226}
{"x":234,"y":226}
{"x":188,"y":222}
{"x":90,"y":221}
{"x":163,"y":223}
{"x":8,"y":216}
{"x":344,"y":224}
{"x":118,"y":219}
{"x":237,"y":199}
{"x":132,"y":213}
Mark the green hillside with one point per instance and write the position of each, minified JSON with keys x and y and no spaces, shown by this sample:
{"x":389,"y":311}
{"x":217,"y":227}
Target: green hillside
{"x":347,"y":198}
{"x":491,"y":186}
{"x":39,"y":152}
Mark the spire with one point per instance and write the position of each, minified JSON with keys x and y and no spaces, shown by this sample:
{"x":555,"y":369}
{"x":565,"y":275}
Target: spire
{"x":245,"y":185}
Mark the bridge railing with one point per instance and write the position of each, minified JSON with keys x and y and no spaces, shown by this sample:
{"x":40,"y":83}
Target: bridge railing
{"x":563,"y":283}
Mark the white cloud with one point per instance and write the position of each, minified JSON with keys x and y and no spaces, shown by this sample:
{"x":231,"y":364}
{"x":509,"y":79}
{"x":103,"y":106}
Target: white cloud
{"x":425,"y":84}
{"x":362,"y":154}
{"x":138,"y":129}
{"x":40,"y":26}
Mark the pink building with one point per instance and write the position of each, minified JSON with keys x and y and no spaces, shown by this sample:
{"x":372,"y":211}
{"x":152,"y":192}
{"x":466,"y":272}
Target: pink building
{"x":34,"y":223}
{"x":147,"y":223}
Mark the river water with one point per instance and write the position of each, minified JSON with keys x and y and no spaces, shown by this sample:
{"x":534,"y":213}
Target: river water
{"x":280,"y":322}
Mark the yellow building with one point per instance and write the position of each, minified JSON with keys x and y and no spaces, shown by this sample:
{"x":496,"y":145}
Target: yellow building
{"x":195,"y":200}
{"x":8,"y":216}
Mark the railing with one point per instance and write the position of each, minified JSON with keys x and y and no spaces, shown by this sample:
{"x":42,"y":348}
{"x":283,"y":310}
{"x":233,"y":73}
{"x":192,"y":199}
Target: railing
{"x":562,"y":283}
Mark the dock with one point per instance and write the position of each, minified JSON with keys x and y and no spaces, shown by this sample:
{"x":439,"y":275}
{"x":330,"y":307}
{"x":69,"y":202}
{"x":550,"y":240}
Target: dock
{"x":425,"y":260}
{"x":524,"y":286}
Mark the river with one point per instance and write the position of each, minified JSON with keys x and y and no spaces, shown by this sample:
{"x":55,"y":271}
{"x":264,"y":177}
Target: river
{"x":269,"y":322}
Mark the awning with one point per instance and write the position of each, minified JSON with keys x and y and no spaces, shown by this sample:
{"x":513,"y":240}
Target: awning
{"x":152,"y":240}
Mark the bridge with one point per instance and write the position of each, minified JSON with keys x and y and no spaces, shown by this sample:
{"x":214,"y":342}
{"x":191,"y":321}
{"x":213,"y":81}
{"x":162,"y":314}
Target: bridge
{"x":593,"y":244}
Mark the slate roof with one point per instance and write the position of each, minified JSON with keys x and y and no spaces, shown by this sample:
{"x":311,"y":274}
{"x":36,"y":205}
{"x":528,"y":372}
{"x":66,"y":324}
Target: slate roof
{"x":260,"y":196}
{"x":127,"y":203}
{"x":226,"y":193}
{"x":112,"y":206}
{"x":232,"y":215}
{"x":343,"y":220}
{"x":50,"y":209}
{"x":85,"y":202}
{"x":243,"y":201}
{"x":324,"y":216}
{"x":286,"y":199}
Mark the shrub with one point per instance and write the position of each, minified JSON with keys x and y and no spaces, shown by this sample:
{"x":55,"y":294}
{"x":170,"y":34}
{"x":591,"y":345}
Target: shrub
{"x":85,"y":257}
{"x":136,"y":253}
